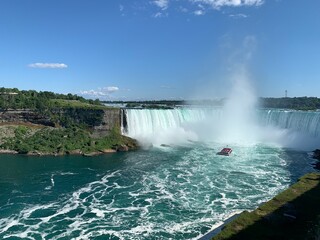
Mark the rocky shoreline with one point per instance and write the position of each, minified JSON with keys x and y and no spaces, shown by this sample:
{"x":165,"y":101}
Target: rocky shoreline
{"x":43,"y":141}
{"x":120,"y":148}
{"x":316,"y":155}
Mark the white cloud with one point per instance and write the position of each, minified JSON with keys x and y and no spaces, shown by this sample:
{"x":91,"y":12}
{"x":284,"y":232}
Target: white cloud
{"x":238,"y":15}
{"x":229,"y":3}
{"x":195,"y":7}
{"x":47,"y":65}
{"x":110,"y":89}
{"x":199,"y":12}
{"x":100,"y":92}
{"x":163,"y":4}
{"x":183,"y":9}
{"x":157,"y":15}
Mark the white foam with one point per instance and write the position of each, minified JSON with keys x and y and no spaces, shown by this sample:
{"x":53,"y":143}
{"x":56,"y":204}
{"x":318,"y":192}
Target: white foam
{"x":193,"y":191}
{"x":98,"y":212}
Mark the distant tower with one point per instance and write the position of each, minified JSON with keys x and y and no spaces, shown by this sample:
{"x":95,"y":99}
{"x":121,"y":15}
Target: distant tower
{"x":286,"y":93}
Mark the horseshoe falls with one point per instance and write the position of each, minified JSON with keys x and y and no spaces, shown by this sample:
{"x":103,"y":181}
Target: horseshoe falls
{"x":176,"y":187}
{"x":286,"y":128}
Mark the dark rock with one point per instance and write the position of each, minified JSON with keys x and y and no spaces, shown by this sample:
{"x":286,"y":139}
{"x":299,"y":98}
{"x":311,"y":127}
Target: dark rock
{"x":316,"y":165}
{"x":24,"y":116}
{"x":122,"y":148}
{"x":165,"y":145}
{"x":111,"y":119}
{"x":316,"y":154}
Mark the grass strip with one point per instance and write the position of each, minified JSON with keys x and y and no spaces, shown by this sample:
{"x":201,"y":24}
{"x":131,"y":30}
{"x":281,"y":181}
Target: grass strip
{"x":292,"y":214}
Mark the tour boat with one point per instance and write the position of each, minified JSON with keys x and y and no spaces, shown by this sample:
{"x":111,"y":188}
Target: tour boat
{"x":225,"y":151}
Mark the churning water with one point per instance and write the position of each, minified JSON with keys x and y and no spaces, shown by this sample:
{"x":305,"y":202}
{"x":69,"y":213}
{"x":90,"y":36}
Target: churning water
{"x":177,"y":189}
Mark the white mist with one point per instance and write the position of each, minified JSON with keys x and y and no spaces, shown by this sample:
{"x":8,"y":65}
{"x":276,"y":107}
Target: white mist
{"x":238,"y":122}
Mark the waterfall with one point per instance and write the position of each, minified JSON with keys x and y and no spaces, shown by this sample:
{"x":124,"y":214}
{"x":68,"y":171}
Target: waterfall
{"x":148,"y":121}
{"x":307,"y":122}
{"x":195,"y":123}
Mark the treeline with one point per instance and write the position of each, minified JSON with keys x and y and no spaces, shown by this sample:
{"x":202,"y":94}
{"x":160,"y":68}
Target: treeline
{"x":13,"y":98}
{"x":297,"y":103}
{"x":64,"y":110}
{"x":158,"y":104}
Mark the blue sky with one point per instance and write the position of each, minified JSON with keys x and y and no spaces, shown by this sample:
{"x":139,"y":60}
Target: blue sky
{"x":160,"y":49}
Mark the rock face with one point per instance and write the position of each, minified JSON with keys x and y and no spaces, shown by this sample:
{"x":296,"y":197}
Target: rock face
{"x":24,"y":116}
{"x":98,"y":125}
{"x":316,"y":155}
{"x":111,"y":120}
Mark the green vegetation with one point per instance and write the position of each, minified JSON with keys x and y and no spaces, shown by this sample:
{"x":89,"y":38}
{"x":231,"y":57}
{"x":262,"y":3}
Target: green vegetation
{"x":166,"y":104}
{"x":49,"y":123}
{"x":293,"y":214}
{"x":59,"y":141}
{"x":148,"y":106}
{"x":12,"y":98}
{"x":65,"y":103}
{"x":62,"y":110}
{"x":297,"y":103}
{"x":152,"y":102}
{"x":80,"y":117}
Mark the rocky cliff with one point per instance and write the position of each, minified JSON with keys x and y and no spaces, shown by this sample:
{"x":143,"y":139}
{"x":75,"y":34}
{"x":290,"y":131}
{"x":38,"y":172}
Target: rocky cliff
{"x":24,"y":116}
{"x":111,"y":120}
{"x":86,"y":131}
{"x":101,"y":122}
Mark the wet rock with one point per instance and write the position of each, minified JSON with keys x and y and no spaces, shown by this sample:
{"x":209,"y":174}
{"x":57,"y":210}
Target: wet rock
{"x":92,"y":154}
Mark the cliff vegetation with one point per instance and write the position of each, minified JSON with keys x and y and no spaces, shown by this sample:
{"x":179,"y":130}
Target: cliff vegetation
{"x":41,"y":123}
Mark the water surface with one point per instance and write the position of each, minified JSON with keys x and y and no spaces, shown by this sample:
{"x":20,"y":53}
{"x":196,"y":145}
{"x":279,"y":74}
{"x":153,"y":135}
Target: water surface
{"x":160,"y":193}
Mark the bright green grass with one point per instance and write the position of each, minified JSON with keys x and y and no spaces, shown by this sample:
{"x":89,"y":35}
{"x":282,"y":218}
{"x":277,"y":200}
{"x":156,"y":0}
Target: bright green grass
{"x":63,"y":103}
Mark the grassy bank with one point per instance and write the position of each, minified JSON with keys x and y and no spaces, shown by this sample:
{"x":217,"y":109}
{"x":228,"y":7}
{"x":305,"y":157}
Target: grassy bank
{"x":292,"y":214}
{"x":59,"y":141}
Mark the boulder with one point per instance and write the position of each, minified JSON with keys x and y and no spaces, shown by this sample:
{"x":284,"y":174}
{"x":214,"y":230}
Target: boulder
{"x":109,"y":150}
{"x":92,"y":154}
{"x":74,"y":152}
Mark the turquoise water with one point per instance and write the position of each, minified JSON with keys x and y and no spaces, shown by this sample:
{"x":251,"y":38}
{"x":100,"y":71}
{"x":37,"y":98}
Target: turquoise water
{"x":160,"y":193}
